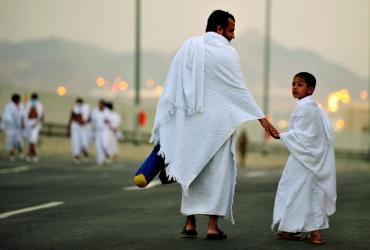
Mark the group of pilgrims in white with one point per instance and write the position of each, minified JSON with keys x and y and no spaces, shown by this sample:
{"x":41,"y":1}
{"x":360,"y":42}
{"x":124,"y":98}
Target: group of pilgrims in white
{"x":22,"y":122}
{"x":204,"y":101}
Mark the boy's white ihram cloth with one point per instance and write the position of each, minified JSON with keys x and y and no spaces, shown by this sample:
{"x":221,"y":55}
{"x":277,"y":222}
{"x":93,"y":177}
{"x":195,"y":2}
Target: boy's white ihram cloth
{"x":306,"y":193}
{"x":204,"y":101}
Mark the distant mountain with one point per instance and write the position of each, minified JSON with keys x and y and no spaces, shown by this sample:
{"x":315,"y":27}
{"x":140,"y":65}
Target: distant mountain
{"x":45,"y":64}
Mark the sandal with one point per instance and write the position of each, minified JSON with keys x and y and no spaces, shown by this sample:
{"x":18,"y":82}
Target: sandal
{"x":311,"y":240}
{"x":218,"y":236}
{"x":288,"y":236}
{"x":192,"y":233}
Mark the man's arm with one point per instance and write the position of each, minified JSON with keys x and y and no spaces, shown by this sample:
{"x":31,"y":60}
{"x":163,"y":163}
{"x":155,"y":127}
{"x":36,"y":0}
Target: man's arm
{"x":269,"y":128}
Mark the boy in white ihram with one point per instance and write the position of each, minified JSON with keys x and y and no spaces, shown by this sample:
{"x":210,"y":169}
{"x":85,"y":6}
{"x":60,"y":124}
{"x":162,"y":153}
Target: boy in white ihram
{"x":306,"y":194}
{"x":34,"y":115}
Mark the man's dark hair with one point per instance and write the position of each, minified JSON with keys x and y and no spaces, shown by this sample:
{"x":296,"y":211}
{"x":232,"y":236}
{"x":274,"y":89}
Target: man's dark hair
{"x":79,"y":100}
{"x":34,"y":96}
{"x":308,"y":78}
{"x":16,"y":97}
{"x":218,"y":17}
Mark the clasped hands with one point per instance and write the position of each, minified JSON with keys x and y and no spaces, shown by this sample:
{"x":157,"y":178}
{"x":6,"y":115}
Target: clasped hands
{"x":269,"y":128}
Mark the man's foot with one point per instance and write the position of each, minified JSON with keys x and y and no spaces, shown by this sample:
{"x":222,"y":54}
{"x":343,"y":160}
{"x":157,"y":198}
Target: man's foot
{"x":189,"y":230}
{"x":288,"y":236}
{"x":21,"y":156}
{"x":76,"y":161}
{"x":218,"y":235}
{"x":191,"y":233}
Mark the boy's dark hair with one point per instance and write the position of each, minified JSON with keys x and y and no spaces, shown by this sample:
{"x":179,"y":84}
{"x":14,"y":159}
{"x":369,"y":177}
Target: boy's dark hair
{"x":218,"y":17}
{"x":16,"y":97}
{"x":308,"y":78}
{"x":34,"y":96}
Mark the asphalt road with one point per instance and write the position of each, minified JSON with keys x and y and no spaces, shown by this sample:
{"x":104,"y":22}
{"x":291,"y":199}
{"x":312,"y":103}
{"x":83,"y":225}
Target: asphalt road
{"x":90,"y":207}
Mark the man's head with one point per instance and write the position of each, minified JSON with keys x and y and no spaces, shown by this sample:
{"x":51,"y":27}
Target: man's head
{"x":79,"y":101}
{"x":34,"y":96}
{"x":303,"y":85}
{"x":109,"y":105}
{"x":16,"y":98}
{"x":223,"y":23}
{"x":101,"y":104}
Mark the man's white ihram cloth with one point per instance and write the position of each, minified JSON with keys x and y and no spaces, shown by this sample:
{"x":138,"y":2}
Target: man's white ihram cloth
{"x":204,"y":101}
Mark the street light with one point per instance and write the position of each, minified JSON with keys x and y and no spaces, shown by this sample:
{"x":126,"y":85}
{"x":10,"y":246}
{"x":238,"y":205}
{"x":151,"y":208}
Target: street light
{"x":266,"y":70}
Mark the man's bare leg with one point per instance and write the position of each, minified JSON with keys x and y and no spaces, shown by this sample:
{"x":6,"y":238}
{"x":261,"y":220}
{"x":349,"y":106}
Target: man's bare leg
{"x":190,"y":222}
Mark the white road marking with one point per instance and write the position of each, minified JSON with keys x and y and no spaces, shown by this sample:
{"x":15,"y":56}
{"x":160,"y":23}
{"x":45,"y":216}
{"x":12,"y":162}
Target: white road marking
{"x":30,"y":209}
{"x":15,"y":170}
{"x":152,"y":184}
{"x":252,"y":174}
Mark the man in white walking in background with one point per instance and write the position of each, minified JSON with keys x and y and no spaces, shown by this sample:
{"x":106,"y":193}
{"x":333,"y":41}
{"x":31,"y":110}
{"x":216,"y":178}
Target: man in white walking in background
{"x":204,"y":101}
{"x":33,"y":116}
{"x":78,"y":130}
{"x":100,"y":122}
{"x":12,"y":123}
{"x":114,"y":133}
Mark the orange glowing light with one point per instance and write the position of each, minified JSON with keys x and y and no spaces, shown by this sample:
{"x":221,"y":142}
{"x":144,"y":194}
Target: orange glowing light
{"x":100,"y":81}
{"x":339,"y":124}
{"x":61,"y":90}
{"x":282,"y":124}
{"x":158,"y":89}
{"x":336,"y":97}
{"x":122,"y":85}
{"x":150,"y":83}
{"x":364,"y":95}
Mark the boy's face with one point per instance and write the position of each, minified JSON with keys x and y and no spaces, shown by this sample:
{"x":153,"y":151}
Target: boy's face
{"x":300,"y":88}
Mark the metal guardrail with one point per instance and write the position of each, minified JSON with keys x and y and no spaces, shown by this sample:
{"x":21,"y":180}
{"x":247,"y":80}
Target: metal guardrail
{"x":60,"y":130}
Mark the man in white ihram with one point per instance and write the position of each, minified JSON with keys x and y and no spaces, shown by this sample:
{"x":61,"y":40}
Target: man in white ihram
{"x":34,"y":116}
{"x":204,"y":101}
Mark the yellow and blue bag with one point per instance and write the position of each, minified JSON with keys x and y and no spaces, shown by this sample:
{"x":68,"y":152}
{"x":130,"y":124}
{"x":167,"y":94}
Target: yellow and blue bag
{"x":149,"y":169}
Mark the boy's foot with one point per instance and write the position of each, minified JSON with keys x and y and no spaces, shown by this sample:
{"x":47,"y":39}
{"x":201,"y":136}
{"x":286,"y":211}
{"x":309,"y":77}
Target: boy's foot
{"x":288,"y":236}
{"x":311,"y":240}
{"x":76,"y":161}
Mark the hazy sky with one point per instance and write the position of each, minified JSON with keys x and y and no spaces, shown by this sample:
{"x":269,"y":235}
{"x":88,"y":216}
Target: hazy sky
{"x":337,"y":29}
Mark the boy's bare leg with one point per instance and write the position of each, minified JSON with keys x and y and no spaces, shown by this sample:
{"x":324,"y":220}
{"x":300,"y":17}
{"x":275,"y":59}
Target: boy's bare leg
{"x":316,"y":235}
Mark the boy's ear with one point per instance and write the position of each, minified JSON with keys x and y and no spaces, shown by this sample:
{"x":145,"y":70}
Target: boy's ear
{"x":311,"y":90}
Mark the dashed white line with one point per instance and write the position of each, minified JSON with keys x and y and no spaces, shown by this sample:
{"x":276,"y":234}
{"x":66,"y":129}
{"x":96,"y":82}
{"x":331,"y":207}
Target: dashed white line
{"x":30,"y":209}
{"x":15,"y":170}
{"x":152,"y":184}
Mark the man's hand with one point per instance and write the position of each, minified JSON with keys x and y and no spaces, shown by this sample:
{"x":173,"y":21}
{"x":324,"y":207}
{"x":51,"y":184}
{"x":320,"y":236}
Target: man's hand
{"x":269,"y":128}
